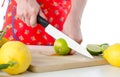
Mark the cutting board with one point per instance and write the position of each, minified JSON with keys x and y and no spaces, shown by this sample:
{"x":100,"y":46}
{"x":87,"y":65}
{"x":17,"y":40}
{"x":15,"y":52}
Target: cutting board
{"x":45,"y":63}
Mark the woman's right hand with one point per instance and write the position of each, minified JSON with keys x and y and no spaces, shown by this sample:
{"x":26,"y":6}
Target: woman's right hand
{"x":27,"y":11}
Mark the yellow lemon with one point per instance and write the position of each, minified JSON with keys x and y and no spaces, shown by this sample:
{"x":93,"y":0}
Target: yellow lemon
{"x":17,"y":52}
{"x":112,"y":54}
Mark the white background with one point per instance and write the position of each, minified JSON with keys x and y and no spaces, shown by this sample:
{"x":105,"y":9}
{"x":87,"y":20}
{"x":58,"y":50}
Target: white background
{"x":100,"y":21}
{"x":2,"y":12}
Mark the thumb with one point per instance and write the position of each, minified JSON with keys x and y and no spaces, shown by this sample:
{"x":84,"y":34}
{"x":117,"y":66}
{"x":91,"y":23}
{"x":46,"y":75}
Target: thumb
{"x":33,"y":19}
{"x":42,"y":14}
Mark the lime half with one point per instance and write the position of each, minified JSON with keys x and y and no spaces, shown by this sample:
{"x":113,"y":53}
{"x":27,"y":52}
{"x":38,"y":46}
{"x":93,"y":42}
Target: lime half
{"x":104,"y":46}
{"x":94,"y":49}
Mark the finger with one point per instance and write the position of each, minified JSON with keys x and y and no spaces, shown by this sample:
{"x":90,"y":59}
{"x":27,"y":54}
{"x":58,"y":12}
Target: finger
{"x":27,"y":19}
{"x":77,"y":38}
{"x":72,"y":52}
{"x":42,"y":14}
{"x":33,"y":20}
{"x":21,"y":17}
{"x":80,"y":41}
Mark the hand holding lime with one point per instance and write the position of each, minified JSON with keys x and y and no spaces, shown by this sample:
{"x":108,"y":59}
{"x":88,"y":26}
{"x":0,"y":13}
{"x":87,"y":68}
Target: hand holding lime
{"x":61,"y":47}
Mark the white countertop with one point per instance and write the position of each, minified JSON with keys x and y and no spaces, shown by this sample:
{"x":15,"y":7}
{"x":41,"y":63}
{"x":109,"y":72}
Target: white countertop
{"x":96,"y":71}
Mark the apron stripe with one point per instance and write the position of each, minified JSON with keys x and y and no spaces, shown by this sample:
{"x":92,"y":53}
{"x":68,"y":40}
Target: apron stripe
{"x":13,"y":19}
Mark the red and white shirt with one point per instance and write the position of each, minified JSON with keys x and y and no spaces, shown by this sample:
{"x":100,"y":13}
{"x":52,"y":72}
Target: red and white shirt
{"x":56,"y":12}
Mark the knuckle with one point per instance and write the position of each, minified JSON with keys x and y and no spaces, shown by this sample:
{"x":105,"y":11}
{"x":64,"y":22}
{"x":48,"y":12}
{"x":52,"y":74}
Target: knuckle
{"x":19,"y":14}
{"x":25,"y":13}
{"x":33,"y":10}
{"x":77,"y":39}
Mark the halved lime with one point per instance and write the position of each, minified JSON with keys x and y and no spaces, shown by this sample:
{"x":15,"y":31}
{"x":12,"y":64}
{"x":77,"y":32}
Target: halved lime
{"x":94,"y":49}
{"x":104,"y":46}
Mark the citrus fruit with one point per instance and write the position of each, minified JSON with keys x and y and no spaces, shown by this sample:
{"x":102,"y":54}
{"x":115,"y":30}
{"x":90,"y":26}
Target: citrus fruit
{"x":15,"y":52}
{"x":94,"y":49}
{"x":61,"y":47}
{"x":104,"y":46}
{"x":3,"y":41}
{"x":112,"y":54}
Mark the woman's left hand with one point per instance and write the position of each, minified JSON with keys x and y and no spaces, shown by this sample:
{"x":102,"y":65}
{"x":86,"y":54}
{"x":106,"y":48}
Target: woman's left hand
{"x":72,"y":24}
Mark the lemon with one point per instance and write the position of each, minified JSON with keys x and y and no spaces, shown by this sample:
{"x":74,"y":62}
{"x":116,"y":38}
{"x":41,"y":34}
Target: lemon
{"x":15,"y":51}
{"x":112,"y":54}
{"x":61,"y":47}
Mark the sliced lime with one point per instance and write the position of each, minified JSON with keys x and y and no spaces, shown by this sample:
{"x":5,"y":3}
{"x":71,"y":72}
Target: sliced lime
{"x":104,"y":46}
{"x":94,"y":49}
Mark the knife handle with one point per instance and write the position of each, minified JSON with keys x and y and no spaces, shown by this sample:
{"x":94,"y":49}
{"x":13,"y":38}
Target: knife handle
{"x":42,"y":21}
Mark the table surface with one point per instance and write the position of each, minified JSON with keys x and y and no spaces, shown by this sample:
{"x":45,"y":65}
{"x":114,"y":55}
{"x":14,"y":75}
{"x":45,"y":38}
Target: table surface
{"x":95,"y":71}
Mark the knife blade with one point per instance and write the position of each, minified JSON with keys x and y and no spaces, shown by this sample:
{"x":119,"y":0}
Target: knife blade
{"x":55,"y":33}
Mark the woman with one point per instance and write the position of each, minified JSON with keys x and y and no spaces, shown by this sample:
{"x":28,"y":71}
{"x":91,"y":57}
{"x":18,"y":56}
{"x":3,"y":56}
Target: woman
{"x":65,"y":15}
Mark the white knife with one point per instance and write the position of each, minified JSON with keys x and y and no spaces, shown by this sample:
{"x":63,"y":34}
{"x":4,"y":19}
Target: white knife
{"x":55,"y":33}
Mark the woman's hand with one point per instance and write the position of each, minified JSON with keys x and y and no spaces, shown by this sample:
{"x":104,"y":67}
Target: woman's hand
{"x":73,"y":21}
{"x":27,"y":11}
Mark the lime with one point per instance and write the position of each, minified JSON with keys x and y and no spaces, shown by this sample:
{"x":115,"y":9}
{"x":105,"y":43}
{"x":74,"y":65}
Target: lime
{"x":112,"y":55}
{"x":61,"y":47}
{"x":94,"y":49}
{"x":16,"y":56}
{"x":104,"y":46}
